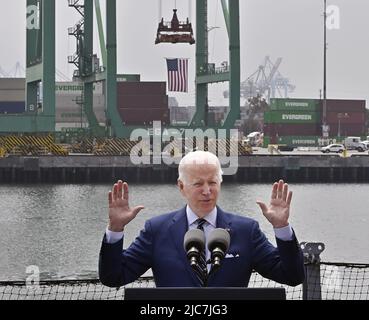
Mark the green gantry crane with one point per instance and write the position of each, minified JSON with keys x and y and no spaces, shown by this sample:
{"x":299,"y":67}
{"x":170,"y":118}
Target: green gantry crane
{"x":206,"y":73}
{"x":40,"y":73}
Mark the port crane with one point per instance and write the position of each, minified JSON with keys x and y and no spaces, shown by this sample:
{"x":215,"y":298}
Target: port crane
{"x":266,"y":82}
{"x":41,"y":72}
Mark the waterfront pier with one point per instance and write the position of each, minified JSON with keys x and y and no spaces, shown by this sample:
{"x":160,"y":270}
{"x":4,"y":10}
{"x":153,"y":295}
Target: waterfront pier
{"x":106,"y":169}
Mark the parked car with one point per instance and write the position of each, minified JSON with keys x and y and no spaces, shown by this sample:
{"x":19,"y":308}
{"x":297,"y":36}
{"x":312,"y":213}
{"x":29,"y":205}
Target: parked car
{"x":366,"y":143}
{"x":335,"y":147}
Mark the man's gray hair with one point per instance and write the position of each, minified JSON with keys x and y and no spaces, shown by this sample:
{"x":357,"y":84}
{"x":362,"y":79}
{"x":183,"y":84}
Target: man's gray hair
{"x":198,"y":157}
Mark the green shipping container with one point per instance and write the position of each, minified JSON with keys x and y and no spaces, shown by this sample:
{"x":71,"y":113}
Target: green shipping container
{"x":128,"y":77}
{"x":291,"y":117}
{"x":297,"y":141}
{"x":266,"y":141}
{"x":311,"y":105}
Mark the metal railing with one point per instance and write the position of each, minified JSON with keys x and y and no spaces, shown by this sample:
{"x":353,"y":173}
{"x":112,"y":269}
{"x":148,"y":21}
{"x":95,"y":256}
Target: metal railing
{"x":338,"y":281}
{"x":323,"y":281}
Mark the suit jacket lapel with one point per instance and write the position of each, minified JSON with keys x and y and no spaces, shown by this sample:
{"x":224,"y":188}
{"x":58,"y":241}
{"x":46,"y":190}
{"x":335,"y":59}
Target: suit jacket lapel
{"x":223,"y":222}
{"x":178,"y":229}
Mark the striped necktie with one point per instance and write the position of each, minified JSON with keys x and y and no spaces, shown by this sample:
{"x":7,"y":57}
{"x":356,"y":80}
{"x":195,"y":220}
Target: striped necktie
{"x":202,"y":271}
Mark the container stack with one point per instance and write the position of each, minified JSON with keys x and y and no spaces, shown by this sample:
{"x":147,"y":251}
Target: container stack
{"x":12,"y":96}
{"x":68,"y":113}
{"x":216,"y":114}
{"x":346,"y":117}
{"x":179,"y":115}
{"x":141,"y":103}
{"x":292,"y":122}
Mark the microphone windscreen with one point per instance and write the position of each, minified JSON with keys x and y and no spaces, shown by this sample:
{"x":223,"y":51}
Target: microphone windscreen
{"x":194,"y":238}
{"x":219,"y":238}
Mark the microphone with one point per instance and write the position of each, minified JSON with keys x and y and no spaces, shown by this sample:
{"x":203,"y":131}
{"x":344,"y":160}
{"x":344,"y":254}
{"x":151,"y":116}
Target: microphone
{"x":218,"y":244}
{"x":194,"y":244}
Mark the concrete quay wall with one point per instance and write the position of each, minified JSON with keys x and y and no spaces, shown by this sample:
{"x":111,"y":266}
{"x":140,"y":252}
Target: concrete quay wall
{"x":106,"y":169}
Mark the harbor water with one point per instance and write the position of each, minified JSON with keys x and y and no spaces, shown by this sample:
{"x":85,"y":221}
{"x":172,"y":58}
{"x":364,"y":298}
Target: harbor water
{"x":59,"y":228}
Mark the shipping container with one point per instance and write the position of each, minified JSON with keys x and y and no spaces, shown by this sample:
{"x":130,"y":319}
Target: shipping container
{"x":306,"y":141}
{"x":70,"y":101}
{"x":141,"y":88}
{"x":292,"y":129}
{"x":12,"y":83}
{"x":142,"y":101}
{"x":219,"y":116}
{"x":344,"y":130}
{"x":272,"y":139}
{"x":291,"y":117}
{"x":66,"y":102}
{"x":211,"y":119}
{"x":334,"y":105}
{"x":179,"y":114}
{"x":12,"y":107}
{"x":144,"y":116}
{"x":351,"y":129}
{"x":17,"y":87}
{"x":346,"y":117}
{"x":68,"y":115}
{"x":75,"y":88}
{"x":12,"y":95}
{"x":267,"y":141}
{"x":128,"y":77}
{"x":278,"y":104}
{"x":299,"y":141}
{"x":338,"y":105}
{"x":218,"y":109}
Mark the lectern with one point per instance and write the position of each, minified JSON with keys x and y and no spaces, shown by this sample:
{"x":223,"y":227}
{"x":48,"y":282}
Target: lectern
{"x":205,"y":294}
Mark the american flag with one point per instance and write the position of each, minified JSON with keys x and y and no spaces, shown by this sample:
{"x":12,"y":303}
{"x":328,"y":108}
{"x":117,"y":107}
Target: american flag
{"x":177,"y":75}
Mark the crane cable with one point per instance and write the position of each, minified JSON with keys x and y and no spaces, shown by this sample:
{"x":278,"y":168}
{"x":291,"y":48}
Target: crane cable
{"x":190,"y":10}
{"x":160,"y":13}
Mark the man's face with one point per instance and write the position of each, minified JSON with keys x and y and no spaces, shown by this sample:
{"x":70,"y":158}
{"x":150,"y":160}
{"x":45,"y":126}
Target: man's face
{"x":201,"y":187}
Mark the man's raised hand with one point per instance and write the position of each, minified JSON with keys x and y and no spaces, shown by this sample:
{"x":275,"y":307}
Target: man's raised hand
{"x":278,"y":211}
{"x":120,"y":214}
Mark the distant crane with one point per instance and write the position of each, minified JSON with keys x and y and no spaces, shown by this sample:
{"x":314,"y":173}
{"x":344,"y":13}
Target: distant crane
{"x":18,"y":71}
{"x":266,"y":81}
{"x":3,"y":73}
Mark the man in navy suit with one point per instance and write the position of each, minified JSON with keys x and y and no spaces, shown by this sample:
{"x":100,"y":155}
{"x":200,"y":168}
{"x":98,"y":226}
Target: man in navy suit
{"x":160,"y":244}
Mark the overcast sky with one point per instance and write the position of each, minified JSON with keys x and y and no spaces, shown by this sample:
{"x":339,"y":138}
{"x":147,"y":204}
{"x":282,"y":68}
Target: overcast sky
{"x":291,"y":29}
